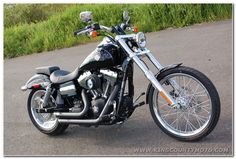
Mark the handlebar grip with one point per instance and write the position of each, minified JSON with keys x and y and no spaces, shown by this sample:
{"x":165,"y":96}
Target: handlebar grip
{"x":78,"y":31}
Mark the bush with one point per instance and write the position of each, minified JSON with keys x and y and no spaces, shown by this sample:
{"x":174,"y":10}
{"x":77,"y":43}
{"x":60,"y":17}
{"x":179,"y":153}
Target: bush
{"x":17,"y":14}
{"x":57,"y":31}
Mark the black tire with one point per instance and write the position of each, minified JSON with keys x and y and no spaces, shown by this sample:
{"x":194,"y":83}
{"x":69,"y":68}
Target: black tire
{"x":58,"y":129}
{"x":212,"y":93}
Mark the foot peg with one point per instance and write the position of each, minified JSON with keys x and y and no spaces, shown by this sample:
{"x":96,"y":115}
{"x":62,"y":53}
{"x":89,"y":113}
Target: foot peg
{"x":139,"y":104}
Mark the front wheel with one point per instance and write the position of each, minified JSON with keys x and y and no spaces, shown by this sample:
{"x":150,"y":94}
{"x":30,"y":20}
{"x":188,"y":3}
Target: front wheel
{"x":47,"y":123}
{"x":198,"y":99}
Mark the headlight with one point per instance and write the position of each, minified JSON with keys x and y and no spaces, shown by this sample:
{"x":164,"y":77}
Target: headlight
{"x":141,"y":40}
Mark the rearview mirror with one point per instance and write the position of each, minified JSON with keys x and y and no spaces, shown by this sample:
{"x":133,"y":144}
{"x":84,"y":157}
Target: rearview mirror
{"x":126,"y":16}
{"x":86,"y":16}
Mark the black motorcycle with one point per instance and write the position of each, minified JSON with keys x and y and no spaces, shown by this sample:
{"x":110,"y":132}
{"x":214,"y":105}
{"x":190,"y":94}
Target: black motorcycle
{"x":183,"y":101}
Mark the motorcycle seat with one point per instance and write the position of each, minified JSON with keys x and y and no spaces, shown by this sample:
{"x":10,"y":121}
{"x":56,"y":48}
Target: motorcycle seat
{"x":62,"y":76}
{"x":47,"y":70}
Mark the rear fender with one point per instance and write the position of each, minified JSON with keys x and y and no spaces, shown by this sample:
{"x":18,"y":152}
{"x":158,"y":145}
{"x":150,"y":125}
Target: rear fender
{"x":39,"y":79}
{"x":161,"y":71}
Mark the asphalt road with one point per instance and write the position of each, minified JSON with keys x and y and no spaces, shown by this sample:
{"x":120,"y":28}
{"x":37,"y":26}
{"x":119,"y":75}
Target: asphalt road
{"x":206,"y":47}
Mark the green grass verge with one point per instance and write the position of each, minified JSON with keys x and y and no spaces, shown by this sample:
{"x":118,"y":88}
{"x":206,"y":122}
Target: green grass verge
{"x":57,"y":31}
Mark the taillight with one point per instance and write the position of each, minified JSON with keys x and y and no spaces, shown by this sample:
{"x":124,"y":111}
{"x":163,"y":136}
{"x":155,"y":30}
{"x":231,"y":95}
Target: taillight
{"x":36,"y":86}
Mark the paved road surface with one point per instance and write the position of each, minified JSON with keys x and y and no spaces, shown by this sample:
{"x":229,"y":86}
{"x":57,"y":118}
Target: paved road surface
{"x":206,"y":47}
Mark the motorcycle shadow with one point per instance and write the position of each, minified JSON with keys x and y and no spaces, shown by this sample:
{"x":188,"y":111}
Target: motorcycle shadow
{"x":140,"y":130}
{"x":132,"y":130}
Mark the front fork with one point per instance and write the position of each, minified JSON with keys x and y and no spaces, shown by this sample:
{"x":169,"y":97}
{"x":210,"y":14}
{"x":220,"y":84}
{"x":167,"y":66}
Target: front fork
{"x":151,"y":77}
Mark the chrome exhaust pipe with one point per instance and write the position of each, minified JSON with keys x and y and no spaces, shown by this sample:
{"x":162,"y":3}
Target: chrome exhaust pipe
{"x":69,"y":114}
{"x":80,"y":121}
{"x":92,"y":121}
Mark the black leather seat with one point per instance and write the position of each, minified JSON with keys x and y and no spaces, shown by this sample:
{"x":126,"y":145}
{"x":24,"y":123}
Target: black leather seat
{"x":62,"y":76}
{"x":47,"y":70}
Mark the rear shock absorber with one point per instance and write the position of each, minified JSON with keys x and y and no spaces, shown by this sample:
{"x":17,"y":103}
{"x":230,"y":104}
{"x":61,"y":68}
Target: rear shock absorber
{"x":47,"y":95}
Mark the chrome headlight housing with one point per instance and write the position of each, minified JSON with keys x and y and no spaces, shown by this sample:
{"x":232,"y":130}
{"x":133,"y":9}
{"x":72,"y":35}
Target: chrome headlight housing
{"x":140,"y":40}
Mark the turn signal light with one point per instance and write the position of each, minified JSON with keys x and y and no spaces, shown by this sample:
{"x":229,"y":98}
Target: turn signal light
{"x":135,"y":29}
{"x":94,"y":34}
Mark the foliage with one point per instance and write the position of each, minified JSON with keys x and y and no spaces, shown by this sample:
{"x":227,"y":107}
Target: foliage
{"x":48,"y":29}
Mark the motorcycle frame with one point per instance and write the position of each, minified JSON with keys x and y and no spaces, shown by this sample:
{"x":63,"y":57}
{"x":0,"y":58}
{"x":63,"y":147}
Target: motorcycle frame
{"x":127,"y":67}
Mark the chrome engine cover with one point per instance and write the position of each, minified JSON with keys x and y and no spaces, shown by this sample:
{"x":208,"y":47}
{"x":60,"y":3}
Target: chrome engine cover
{"x":109,"y":75}
{"x":68,"y":89}
{"x":84,"y":79}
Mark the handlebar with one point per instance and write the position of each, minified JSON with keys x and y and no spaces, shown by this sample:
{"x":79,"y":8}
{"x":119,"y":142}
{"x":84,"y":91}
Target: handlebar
{"x":119,"y":29}
{"x":91,"y":28}
{"x":105,"y":28}
{"x":81,"y":31}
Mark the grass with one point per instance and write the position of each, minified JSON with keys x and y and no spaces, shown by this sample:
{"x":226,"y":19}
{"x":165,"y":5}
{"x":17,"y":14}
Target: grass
{"x":56,"y":30}
{"x":30,"y":13}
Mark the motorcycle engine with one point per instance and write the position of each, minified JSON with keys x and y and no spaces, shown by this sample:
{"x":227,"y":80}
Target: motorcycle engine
{"x":99,"y":85}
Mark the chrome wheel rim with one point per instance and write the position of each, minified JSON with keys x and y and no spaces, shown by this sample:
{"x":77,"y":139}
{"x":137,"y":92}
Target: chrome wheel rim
{"x":46,"y":121}
{"x":195,"y":111}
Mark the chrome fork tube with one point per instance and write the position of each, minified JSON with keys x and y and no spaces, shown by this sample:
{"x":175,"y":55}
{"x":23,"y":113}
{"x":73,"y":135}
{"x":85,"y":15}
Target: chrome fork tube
{"x":154,"y":81}
{"x":159,"y":67}
{"x":154,"y":61}
{"x":150,"y":76}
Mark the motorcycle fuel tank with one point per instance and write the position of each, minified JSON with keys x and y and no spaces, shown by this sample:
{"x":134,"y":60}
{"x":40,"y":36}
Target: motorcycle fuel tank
{"x":104,"y":56}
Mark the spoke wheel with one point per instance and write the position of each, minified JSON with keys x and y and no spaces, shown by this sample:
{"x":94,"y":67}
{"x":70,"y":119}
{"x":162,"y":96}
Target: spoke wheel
{"x":47,"y":123}
{"x":198,"y":100}
{"x":195,"y":106}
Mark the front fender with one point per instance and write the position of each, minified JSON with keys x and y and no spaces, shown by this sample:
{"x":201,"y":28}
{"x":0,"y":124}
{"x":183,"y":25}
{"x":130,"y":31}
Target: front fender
{"x":36,"y":79}
{"x":159,"y":73}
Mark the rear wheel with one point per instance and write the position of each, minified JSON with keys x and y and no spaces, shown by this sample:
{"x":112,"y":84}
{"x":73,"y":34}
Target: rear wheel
{"x":47,"y":123}
{"x":199,"y":104}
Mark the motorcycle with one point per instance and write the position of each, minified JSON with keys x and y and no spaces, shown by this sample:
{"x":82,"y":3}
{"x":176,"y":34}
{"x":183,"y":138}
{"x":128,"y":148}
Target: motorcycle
{"x":183,"y":102}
